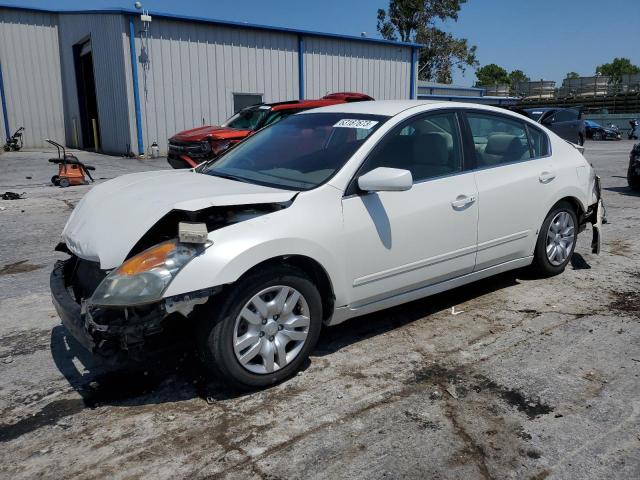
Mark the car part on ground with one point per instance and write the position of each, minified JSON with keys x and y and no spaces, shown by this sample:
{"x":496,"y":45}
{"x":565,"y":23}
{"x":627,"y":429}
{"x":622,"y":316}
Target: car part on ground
{"x":15,"y":142}
{"x":325,"y":216}
{"x":189,"y":148}
{"x":71,"y":171}
{"x":12,"y":195}
{"x":633,"y":172}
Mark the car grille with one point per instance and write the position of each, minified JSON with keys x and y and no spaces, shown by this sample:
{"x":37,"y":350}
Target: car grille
{"x":195,"y":150}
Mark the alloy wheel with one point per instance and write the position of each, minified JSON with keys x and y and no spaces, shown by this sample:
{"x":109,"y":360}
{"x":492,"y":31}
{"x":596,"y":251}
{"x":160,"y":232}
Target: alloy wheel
{"x":560,"y":238}
{"x":271,"y":329}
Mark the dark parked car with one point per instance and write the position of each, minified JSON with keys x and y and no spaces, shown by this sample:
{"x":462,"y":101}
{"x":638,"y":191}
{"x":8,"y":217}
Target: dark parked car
{"x":596,"y":131}
{"x":633,"y":174}
{"x":565,"y":122}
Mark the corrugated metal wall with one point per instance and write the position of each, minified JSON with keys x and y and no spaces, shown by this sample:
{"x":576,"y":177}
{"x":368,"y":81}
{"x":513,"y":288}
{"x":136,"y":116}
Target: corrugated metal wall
{"x":31,"y":71}
{"x":330,"y":65}
{"x":193,"y":70}
{"x":107,"y":34}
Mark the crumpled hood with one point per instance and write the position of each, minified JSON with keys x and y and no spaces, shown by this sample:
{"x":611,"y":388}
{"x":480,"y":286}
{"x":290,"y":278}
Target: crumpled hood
{"x":114,"y":215}
{"x":202,"y":133}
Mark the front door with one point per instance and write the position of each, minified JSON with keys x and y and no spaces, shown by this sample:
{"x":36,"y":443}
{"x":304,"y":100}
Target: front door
{"x":398,"y":241}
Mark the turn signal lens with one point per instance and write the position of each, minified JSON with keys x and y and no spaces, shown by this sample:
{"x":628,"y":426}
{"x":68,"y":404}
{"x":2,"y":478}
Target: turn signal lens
{"x":152,"y":258}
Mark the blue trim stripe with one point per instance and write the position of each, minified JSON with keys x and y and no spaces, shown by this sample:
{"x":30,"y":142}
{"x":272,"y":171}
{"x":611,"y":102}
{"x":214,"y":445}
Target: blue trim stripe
{"x":5,"y":116}
{"x":225,"y":23}
{"x":136,"y":90}
{"x":301,"y":67}
{"x":412,"y":85}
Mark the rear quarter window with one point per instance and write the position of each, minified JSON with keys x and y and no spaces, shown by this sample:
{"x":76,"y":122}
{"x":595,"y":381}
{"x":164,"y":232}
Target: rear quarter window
{"x":539,"y":142}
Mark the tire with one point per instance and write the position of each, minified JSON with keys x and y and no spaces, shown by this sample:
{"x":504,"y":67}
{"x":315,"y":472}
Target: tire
{"x":632,"y":179}
{"x":63,"y":182}
{"x":224,"y":320}
{"x":564,"y":245}
{"x":55,"y":180}
{"x":580,"y":139}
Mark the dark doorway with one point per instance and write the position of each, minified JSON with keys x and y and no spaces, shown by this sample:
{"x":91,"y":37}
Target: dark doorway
{"x":87,"y":102}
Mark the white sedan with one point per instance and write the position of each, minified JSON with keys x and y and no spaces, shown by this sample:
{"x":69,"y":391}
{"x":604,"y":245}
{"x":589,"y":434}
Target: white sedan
{"x":330,"y":214}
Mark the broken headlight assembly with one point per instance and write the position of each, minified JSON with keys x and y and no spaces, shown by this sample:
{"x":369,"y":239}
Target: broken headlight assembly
{"x":143,"y":278}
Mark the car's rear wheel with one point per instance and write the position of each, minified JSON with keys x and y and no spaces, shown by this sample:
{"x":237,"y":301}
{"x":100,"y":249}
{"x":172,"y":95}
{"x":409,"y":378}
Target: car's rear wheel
{"x":263,"y":329}
{"x":556,"y":240}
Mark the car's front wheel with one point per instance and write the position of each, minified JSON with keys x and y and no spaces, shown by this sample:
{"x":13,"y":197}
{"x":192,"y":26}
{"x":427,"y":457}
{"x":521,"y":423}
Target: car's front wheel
{"x":556,"y":240}
{"x":262,"y":330}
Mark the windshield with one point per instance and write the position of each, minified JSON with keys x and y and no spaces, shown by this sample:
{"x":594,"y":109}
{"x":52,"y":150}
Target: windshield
{"x":592,"y":124}
{"x":298,"y":153}
{"x":249,"y":118}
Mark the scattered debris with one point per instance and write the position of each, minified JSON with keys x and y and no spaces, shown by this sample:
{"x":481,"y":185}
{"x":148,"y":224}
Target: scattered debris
{"x":340,"y":395}
{"x":453,"y":311}
{"x":451,"y":390}
{"x":435,"y":395}
{"x":210,"y":400}
{"x":2,"y":208}
{"x":28,"y":178}
{"x":534,"y":453}
{"x":8,"y":359}
{"x":171,"y":418}
{"x":12,"y":195}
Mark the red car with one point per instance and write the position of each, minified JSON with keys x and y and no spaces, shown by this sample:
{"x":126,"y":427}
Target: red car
{"x":191,"y":147}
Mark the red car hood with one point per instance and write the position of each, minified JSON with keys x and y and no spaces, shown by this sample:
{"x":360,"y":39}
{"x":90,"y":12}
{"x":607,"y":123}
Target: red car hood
{"x":209,"y":131}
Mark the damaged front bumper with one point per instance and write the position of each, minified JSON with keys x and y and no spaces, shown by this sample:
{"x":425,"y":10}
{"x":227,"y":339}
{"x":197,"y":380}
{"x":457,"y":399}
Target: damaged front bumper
{"x":596,"y":215}
{"x":111,"y":332}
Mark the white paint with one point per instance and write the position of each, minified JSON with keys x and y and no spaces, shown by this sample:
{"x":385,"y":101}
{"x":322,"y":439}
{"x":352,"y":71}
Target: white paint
{"x":379,"y":249}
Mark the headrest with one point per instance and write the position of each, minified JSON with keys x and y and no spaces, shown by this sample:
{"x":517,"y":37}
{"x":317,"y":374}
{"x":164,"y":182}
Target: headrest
{"x":431,"y":149}
{"x":499,"y":143}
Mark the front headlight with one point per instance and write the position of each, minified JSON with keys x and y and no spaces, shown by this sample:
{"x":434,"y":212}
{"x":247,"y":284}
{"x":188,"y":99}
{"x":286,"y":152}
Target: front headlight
{"x":144,"y":277}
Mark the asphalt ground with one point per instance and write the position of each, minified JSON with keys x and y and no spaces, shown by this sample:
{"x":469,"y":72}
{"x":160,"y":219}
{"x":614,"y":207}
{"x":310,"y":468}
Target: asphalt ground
{"x":524,"y":378}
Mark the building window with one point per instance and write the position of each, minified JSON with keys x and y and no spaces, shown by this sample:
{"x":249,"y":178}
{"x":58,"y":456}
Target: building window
{"x":243,"y":100}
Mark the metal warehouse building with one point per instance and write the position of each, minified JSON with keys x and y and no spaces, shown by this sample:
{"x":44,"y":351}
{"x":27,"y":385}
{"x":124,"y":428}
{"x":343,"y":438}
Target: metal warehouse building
{"x":143,"y":81}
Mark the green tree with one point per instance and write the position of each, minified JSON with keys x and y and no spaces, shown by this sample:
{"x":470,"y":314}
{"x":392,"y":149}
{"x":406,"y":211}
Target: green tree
{"x":617,"y":68}
{"x":572,"y":75}
{"x":517,"y":76}
{"x":415,"y":21}
{"x":492,"y":74}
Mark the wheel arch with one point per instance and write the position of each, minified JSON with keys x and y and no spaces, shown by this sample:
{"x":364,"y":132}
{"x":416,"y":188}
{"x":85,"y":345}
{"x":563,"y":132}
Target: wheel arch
{"x":312,"y":268}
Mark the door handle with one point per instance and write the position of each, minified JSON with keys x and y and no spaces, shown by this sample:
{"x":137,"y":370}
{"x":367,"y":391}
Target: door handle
{"x":462,"y":201}
{"x":546,"y":177}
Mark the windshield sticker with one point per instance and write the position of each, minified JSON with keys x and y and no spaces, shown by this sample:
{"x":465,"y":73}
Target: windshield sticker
{"x":353,"y":123}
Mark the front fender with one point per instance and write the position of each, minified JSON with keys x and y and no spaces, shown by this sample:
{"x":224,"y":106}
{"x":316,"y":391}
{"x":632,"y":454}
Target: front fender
{"x":293,"y":231}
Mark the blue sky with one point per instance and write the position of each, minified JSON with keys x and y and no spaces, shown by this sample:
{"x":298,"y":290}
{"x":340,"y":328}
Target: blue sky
{"x":544,"y":38}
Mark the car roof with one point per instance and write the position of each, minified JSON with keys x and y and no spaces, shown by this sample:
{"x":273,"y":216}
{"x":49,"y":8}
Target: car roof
{"x":378,"y":107}
{"x":390,"y":108}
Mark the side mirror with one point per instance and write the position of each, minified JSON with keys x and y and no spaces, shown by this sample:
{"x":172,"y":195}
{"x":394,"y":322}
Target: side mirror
{"x":384,"y":179}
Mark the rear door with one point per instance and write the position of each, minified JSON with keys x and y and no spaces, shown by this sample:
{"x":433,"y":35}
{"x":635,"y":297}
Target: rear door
{"x":513,"y":175}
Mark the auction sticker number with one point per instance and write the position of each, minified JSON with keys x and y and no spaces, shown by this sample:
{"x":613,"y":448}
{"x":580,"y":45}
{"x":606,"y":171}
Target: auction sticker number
{"x":353,"y":123}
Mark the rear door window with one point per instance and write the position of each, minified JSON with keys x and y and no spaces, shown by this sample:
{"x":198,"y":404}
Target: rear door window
{"x":497,"y":139}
